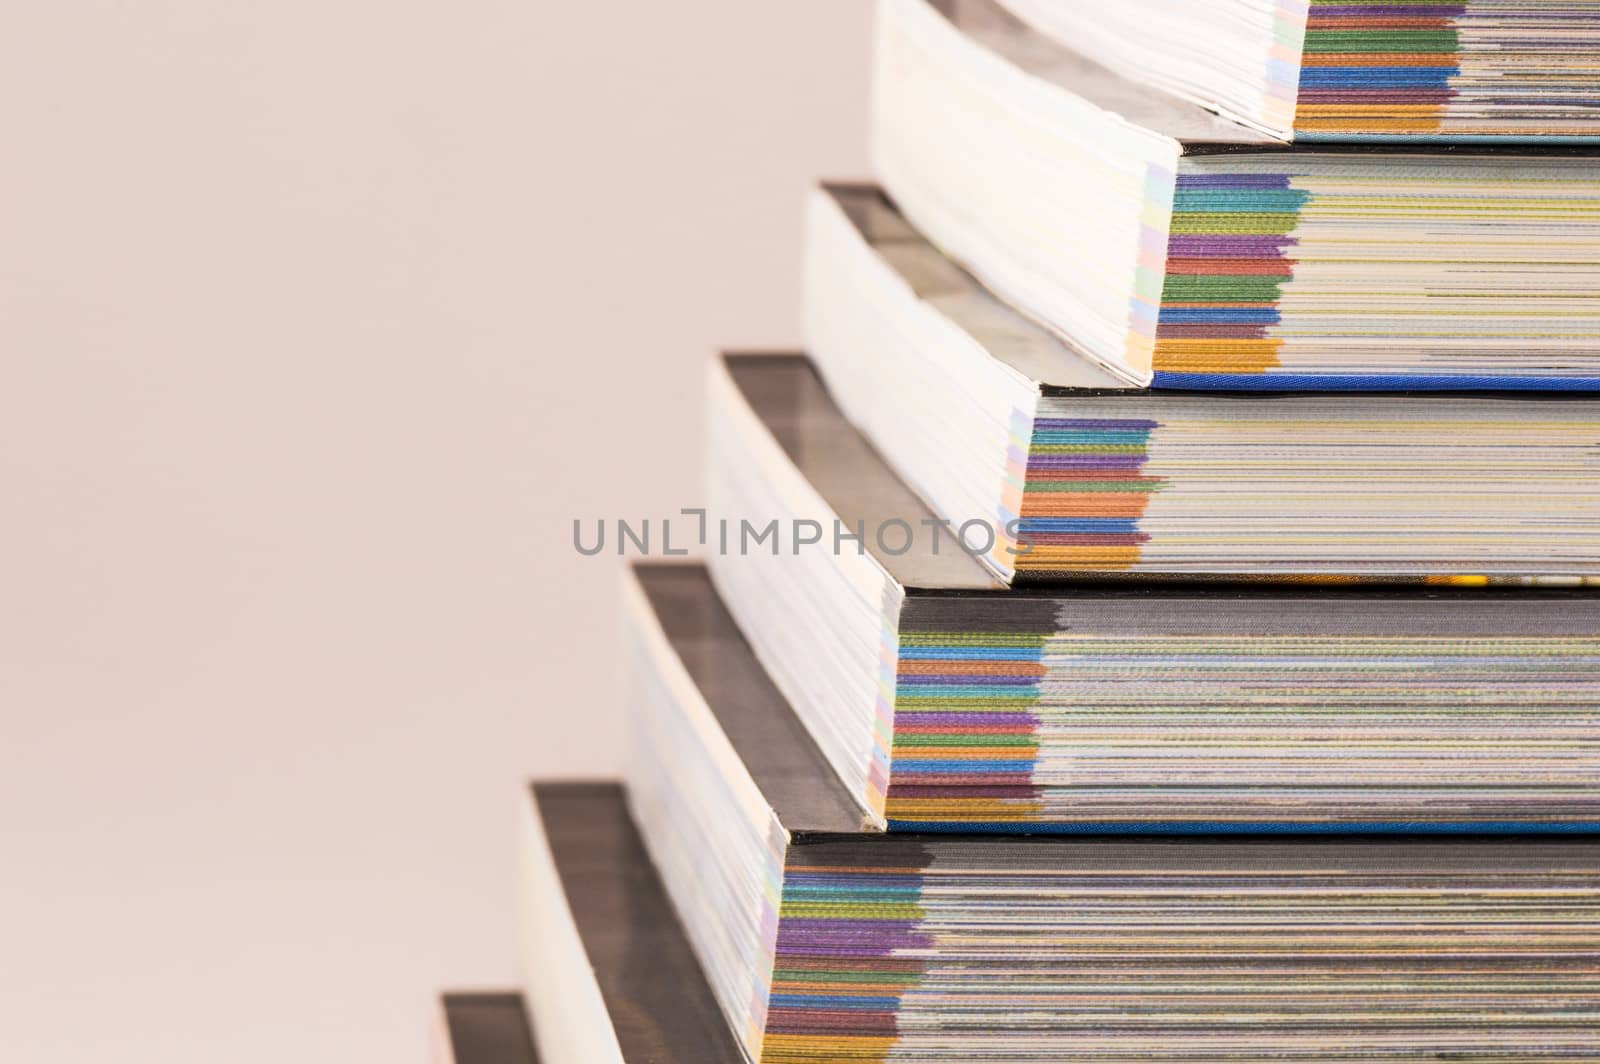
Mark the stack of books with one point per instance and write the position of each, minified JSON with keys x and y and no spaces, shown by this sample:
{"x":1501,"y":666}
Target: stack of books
{"x":1158,"y":617}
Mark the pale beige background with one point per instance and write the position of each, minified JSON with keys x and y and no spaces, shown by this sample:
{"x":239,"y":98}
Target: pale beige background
{"x":321,"y":320}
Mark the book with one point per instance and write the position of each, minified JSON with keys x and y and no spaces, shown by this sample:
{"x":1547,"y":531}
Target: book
{"x":1164,"y":625}
{"x":827,"y":941}
{"x":1179,"y":248}
{"x":483,"y":1028}
{"x":1417,"y":70}
{"x":608,"y":975}
{"x":996,"y":421}
{"x":948,"y":702}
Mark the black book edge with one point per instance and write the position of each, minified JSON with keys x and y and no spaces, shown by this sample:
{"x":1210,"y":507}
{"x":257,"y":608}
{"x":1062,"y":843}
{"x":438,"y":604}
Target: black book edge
{"x":661,"y":1008}
{"x":882,"y":230}
{"x":1397,"y":146}
{"x":484,"y":1027}
{"x":784,"y":390}
{"x":700,"y":636}
{"x":784,"y":394}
